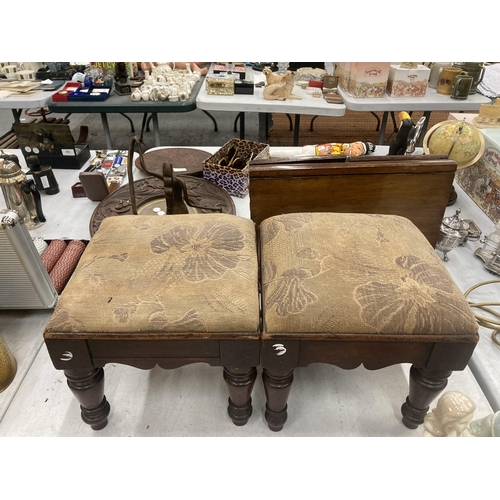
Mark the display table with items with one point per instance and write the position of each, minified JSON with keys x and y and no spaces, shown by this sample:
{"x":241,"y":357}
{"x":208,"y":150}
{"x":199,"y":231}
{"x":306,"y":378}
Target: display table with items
{"x":124,"y":104}
{"x":144,"y":321}
{"x":26,"y":95}
{"x":431,"y":101}
{"x":221,"y":93}
{"x":386,"y":87}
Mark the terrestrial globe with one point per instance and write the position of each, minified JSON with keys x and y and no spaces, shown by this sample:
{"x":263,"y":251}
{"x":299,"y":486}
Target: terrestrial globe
{"x":460,"y":140}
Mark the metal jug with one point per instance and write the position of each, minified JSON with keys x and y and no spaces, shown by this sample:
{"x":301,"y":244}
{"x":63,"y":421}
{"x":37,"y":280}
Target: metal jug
{"x":20,"y":193}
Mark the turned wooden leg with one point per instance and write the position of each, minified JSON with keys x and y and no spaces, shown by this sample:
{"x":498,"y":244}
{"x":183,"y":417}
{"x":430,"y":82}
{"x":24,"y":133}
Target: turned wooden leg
{"x":240,"y":382}
{"x":88,"y":388}
{"x":425,"y":386}
{"x":277,"y":386}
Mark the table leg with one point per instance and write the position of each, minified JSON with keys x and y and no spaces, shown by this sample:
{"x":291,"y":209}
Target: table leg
{"x":214,"y":121}
{"x":242,"y":126}
{"x":132,"y":130}
{"x":17,"y":114}
{"x":156,"y":129}
{"x":107,"y":133}
{"x":144,"y":125}
{"x":383,"y":126}
{"x":265,"y":119}
{"x":296,"y":131}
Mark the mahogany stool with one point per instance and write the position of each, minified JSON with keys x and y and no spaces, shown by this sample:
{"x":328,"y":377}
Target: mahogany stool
{"x":164,"y":291}
{"x":350,"y":289}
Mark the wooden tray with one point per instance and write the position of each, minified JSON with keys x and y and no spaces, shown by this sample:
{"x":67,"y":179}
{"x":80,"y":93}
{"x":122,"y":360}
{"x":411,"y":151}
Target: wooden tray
{"x":149,"y":194}
{"x":185,"y":161}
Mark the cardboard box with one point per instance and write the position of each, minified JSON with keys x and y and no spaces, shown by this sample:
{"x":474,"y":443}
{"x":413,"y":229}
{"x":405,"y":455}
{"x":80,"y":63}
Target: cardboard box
{"x":404,"y":82}
{"x":368,"y":79}
{"x":238,"y":69}
{"x":481,"y":181}
{"x":52,"y":143}
{"x":343,"y":73}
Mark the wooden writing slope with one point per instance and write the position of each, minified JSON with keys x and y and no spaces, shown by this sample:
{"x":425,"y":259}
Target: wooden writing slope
{"x":415,"y":187}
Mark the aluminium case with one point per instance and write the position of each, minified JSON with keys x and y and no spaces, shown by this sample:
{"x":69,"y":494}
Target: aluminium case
{"x":24,"y":280}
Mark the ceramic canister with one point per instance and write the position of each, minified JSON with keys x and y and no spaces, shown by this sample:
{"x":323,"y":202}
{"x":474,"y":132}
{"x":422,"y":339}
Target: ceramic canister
{"x":446,"y":80}
{"x":9,"y":71}
{"x":26,"y":74}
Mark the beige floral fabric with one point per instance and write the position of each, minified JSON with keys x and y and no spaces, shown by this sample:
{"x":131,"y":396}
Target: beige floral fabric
{"x":177,"y":274}
{"x":356,"y":273}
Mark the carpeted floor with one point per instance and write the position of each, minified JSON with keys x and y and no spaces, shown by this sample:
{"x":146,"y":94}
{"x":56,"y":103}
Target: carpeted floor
{"x":353,"y":126}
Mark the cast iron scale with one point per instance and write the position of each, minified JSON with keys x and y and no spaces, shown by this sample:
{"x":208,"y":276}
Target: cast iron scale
{"x":165,"y":189}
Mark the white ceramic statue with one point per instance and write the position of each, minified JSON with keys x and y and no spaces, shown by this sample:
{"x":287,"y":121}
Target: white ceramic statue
{"x":162,"y":83}
{"x":487,"y":426}
{"x":451,"y":417}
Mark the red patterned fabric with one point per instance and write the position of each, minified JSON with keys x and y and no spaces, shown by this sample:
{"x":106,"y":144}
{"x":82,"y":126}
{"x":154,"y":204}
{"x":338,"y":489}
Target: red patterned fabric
{"x":66,"y":264}
{"x":52,"y":254}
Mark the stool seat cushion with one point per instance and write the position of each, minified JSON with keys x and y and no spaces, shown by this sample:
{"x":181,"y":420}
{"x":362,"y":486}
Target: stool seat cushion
{"x":177,"y":274}
{"x":341,"y":273}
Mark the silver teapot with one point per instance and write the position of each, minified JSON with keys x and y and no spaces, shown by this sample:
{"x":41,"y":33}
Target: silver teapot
{"x":20,"y":193}
{"x":452,"y":233}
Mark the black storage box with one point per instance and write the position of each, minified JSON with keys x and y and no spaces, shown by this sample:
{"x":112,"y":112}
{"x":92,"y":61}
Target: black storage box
{"x":52,"y":143}
{"x":243,"y":87}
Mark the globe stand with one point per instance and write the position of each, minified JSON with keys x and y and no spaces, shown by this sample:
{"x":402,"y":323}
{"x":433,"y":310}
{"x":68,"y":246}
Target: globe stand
{"x":451,"y":149}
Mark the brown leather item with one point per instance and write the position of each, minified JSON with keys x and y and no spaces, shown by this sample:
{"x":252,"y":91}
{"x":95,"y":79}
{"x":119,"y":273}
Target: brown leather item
{"x":95,"y":185}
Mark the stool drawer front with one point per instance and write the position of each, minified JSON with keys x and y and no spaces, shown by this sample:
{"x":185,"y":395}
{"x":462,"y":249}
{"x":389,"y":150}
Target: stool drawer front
{"x":373,"y":355}
{"x":69,"y":354}
{"x":116,"y":349}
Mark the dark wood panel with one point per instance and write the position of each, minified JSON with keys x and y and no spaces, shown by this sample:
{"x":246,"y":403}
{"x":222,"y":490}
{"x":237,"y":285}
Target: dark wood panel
{"x":239,"y":353}
{"x":116,"y":349}
{"x":456,"y":354}
{"x":372,"y":355}
{"x":149,"y":363}
{"x":416,"y":191}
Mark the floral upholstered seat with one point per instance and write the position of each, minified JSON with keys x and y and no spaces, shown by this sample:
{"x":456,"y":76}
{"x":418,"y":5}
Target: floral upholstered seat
{"x":356,"y":273}
{"x":172,"y":274}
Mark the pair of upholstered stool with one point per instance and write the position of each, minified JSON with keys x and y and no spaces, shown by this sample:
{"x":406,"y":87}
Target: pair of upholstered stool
{"x":345,"y":289}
